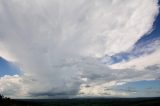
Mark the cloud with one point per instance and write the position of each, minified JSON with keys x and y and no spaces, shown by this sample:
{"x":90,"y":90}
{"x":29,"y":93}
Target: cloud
{"x":99,"y":80}
{"x":57,"y":44}
{"x":141,"y":62}
{"x":11,"y":86}
{"x":7,"y":55}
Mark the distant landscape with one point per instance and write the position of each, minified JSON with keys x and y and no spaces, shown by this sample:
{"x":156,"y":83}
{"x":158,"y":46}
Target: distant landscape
{"x":81,"y":102}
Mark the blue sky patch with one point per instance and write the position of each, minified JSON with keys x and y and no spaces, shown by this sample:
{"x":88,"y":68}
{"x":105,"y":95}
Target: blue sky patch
{"x":141,"y":88}
{"x":7,"y":68}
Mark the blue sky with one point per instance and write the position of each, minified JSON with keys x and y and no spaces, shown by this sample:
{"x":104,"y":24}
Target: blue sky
{"x":140,"y":88}
{"x":81,"y":48}
{"x":7,"y":68}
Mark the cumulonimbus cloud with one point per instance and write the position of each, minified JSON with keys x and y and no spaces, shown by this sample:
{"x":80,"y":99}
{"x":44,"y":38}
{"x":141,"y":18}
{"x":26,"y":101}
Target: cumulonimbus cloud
{"x":56,"y":42}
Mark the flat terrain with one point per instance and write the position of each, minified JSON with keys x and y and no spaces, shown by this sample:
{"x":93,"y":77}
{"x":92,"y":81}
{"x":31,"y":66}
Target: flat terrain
{"x":84,"y":102}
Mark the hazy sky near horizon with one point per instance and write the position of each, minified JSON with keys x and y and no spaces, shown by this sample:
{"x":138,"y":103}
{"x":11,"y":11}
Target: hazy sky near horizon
{"x":76,"y":48}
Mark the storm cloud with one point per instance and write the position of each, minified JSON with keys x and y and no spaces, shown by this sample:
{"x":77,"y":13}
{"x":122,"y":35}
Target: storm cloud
{"x":58,"y":44}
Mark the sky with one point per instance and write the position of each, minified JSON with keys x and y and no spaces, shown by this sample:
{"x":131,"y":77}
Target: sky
{"x":79,"y":48}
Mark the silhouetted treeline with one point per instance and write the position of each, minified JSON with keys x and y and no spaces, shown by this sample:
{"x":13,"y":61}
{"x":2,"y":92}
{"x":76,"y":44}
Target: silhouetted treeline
{"x":5,"y":101}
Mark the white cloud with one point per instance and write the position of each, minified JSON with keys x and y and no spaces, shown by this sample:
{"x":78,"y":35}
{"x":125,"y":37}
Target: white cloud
{"x":55,"y":43}
{"x":140,"y":63}
{"x":5,"y":54}
{"x":12,"y":86}
{"x":105,"y":89}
